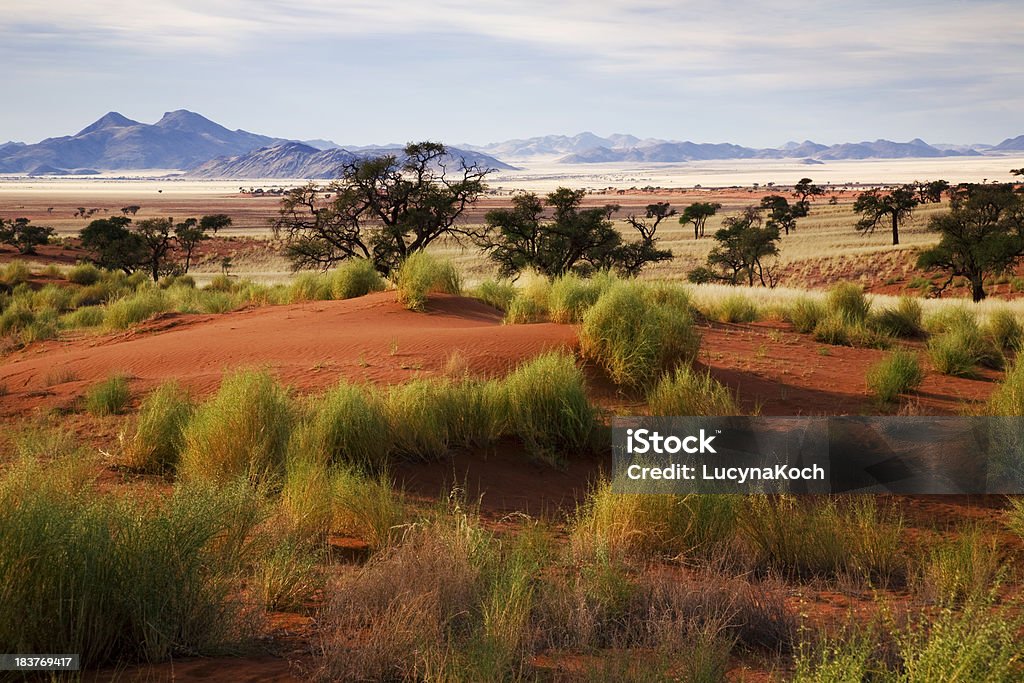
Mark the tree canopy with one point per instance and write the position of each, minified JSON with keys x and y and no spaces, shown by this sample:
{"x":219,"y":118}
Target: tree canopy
{"x":576,"y":239}
{"x":895,"y":207}
{"x":698,"y":214}
{"x":805,"y":189}
{"x":745,"y":251}
{"x":982,"y":235}
{"x":781,"y":214}
{"x":23,"y":236}
{"x":381,"y":208}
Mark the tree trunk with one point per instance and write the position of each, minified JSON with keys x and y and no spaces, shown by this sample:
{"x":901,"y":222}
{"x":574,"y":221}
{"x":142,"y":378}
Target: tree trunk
{"x":978,"y":289}
{"x":895,"y":229}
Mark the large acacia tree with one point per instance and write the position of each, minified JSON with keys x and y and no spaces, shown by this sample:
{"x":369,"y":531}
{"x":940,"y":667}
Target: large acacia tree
{"x":698,"y":214}
{"x":576,"y":239}
{"x":894,"y":207}
{"x":983,"y":235}
{"x":381,"y":208}
{"x":746,"y":250}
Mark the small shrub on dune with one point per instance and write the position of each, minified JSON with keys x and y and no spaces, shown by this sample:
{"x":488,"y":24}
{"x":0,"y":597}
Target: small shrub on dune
{"x":83,"y":274}
{"x":688,"y":392}
{"x":52,"y":296}
{"x":160,"y":431}
{"x":420,"y":275}
{"x":736,"y":309}
{"x":532,"y":304}
{"x":902,"y":321}
{"x":837,"y":330}
{"x":215,"y":302}
{"x":309,"y":287}
{"x":14,"y":273}
{"x":87,"y":316}
{"x":960,"y":348}
{"x":636,"y":332}
{"x":366,"y":507}
{"x":355,"y":277}
{"x":949,"y":318}
{"x":16,"y":318}
{"x":849,"y":302}
{"x":1004,"y":330}
{"x":805,"y":314}
{"x":899,"y":373}
{"x":571,"y":295}
{"x":547,"y":405}
{"x":135,"y":308}
{"x":496,"y":293}
{"x":243,"y":430}
{"x":347,"y":424}
{"x":109,"y":397}
{"x":45,"y":326}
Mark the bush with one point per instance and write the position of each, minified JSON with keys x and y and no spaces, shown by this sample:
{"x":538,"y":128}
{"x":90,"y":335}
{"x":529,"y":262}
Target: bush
{"x":903,"y":321}
{"x":960,"y":347}
{"x":899,"y":373}
{"x":419,"y":275}
{"x":119,"y":579}
{"x":547,"y":405}
{"x":1004,"y":330}
{"x":242,"y":431}
{"x":805,"y":313}
{"x":687,"y":392}
{"x":736,"y":309}
{"x":135,"y":308}
{"x":571,"y":296}
{"x":309,"y":287}
{"x":160,"y":430}
{"x":368,"y":508}
{"x":1008,"y":398}
{"x":87,"y":316}
{"x":355,"y":277}
{"x":848,"y":301}
{"x":52,"y":296}
{"x":965,"y":568}
{"x":14,"y":273}
{"x":838,"y":330}
{"x":347,"y":424}
{"x":496,"y":293}
{"x":109,"y":397}
{"x":636,"y":332}
{"x":83,"y":274}
{"x":531,"y":304}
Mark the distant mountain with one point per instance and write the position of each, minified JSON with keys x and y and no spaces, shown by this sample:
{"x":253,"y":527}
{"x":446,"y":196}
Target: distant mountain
{"x":588,"y":148}
{"x":180,"y":140}
{"x":298,"y":160}
{"x":1011,"y":144}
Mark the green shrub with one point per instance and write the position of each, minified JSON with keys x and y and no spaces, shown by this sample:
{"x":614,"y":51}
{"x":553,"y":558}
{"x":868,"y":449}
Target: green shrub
{"x":531,"y":304}
{"x":242,"y":431}
{"x":419,"y":275}
{"x":1004,"y":330}
{"x":135,"y":308}
{"x":109,"y":397}
{"x":83,"y":274}
{"x":87,"y":316}
{"x":348,"y":424}
{"x":547,"y":405}
{"x":221,"y":283}
{"x":14,"y":273}
{"x":355,"y":277}
{"x":571,"y":295}
{"x":688,"y":392}
{"x":119,"y":578}
{"x":899,"y":373}
{"x":160,"y":431}
{"x":215,"y":302}
{"x":368,"y":508}
{"x":903,"y":321}
{"x":180,"y":281}
{"x":52,"y":296}
{"x":960,"y":347}
{"x":949,"y":318}
{"x":16,"y":318}
{"x":736,"y":308}
{"x":636,"y":332}
{"x":496,"y":293}
{"x":965,"y":568}
{"x":837,"y":330}
{"x":1008,"y":397}
{"x":848,"y":301}
{"x":309,"y":287}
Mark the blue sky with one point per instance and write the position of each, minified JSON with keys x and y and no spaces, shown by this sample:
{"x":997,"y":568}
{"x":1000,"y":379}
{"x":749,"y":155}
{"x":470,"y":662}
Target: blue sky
{"x":362,"y":72}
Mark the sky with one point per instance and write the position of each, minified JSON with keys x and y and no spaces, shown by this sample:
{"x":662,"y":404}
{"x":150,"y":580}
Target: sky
{"x":478,"y":71}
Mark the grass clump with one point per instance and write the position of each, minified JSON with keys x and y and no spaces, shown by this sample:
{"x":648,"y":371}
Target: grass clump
{"x":965,"y":568}
{"x":547,"y":405}
{"x":736,"y":308}
{"x":355,"y":277}
{"x":848,"y":301}
{"x":636,"y":332}
{"x":348,"y":424}
{"x":83,"y":274}
{"x":496,"y":293}
{"x":160,"y":431}
{"x":109,"y":397}
{"x":135,"y":308}
{"x":1004,"y":330}
{"x":14,"y":273}
{"x":902,"y":321}
{"x":961,"y":346}
{"x":120,"y":579}
{"x":87,"y":316}
{"x":308,"y":287}
{"x":899,"y":373}
{"x":688,"y":392}
{"x":571,"y":295}
{"x":420,"y":275}
{"x":532,"y":304}
{"x":243,"y":430}
{"x":805,"y":314}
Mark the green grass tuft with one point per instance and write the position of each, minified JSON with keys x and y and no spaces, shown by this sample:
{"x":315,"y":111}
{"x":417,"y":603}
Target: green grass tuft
{"x":420,"y":275}
{"x":899,"y":373}
{"x":688,"y":392}
{"x":109,"y":397}
{"x":355,"y":277}
{"x":160,"y":431}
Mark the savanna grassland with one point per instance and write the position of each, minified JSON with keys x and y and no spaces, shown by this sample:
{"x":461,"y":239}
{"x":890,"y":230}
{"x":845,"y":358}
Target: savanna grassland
{"x":247,"y":474}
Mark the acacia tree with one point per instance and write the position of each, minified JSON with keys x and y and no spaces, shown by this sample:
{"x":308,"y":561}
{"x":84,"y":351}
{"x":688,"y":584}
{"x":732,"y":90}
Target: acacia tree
{"x":895,"y":207}
{"x":805,"y":189}
{"x":112,"y":244}
{"x":381,"y":208}
{"x":698,"y":213}
{"x":982,"y":235}
{"x":23,"y":236}
{"x":781,"y":214}
{"x":156,"y":235}
{"x":576,"y":239}
{"x":745,"y":250}
{"x":931,"y":191}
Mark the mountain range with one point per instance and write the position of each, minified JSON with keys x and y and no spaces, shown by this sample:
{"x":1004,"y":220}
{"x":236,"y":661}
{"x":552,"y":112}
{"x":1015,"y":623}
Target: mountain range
{"x":186,"y":141}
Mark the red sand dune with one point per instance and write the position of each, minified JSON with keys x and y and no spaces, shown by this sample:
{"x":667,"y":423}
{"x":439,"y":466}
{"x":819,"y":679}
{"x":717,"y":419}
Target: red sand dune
{"x":309,"y":346}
